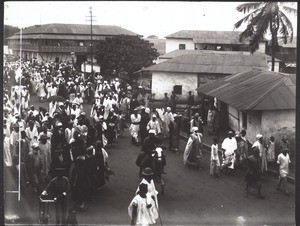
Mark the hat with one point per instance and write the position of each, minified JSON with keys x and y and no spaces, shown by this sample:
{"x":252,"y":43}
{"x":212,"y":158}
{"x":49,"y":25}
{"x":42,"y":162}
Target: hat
{"x":83,"y":113}
{"x":258,"y":136}
{"x":168,"y":109}
{"x":147,"y":110}
{"x":152,"y":131}
{"x":147,"y":171}
{"x":57,"y":124}
{"x":196,"y":115}
{"x":154,"y":116}
{"x":230,"y":132}
{"x":35,"y":146}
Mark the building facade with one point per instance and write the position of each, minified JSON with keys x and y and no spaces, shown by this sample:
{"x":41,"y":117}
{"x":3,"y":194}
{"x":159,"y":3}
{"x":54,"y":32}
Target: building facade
{"x":61,"y":42}
{"x":209,"y":40}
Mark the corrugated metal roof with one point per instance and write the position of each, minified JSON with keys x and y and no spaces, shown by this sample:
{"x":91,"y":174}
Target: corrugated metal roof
{"x":75,"y":29}
{"x":254,"y":90}
{"x":221,"y":37}
{"x":57,"y":36}
{"x":211,"y":63}
{"x":178,"y":52}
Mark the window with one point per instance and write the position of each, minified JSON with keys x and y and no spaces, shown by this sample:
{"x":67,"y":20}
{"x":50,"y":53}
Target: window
{"x":244,"y":120}
{"x":177,"y":89}
{"x":181,"y":46}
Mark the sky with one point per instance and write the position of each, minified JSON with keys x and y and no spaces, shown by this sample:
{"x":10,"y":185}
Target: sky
{"x":158,"y":18}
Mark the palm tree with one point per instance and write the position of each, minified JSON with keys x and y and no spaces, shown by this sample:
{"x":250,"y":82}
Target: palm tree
{"x":266,"y":17}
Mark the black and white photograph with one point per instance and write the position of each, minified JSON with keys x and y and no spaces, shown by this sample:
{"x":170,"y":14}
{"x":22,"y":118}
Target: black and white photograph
{"x":149,"y":113}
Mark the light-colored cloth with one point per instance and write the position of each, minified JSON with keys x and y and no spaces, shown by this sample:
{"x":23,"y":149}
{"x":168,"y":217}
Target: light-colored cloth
{"x":214,"y":159}
{"x":32,"y":135}
{"x":7,"y":154}
{"x":134,"y":127}
{"x":271,"y":152}
{"x":283,"y":161}
{"x":193,"y":145}
{"x":41,"y":90}
{"x":229,"y":145}
{"x":151,"y":191}
{"x":262,"y":154}
{"x":154,"y":125}
{"x":144,"y":216}
{"x":45,"y":153}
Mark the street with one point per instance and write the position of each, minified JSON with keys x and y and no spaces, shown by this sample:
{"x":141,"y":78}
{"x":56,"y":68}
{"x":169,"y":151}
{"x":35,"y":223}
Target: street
{"x":191,"y":196}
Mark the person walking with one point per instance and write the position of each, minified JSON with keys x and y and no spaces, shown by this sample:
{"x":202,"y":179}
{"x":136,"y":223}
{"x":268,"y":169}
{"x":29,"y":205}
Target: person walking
{"x":283,"y":162}
{"x":229,"y":146}
{"x":262,"y":151}
{"x":140,"y":210}
{"x":59,"y":188}
{"x":253,"y":175}
{"x":147,"y":175}
{"x":193,"y":149}
{"x":135,"y":127}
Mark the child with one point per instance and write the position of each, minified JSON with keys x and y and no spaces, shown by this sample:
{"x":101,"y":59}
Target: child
{"x":271,"y":150}
{"x":214,"y":159}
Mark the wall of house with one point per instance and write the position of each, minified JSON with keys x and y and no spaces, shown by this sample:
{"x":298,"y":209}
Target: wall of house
{"x":173,"y":44}
{"x":276,"y":66}
{"x":163,"y":82}
{"x":233,"y":117}
{"x":262,"y":47}
{"x":285,"y":125}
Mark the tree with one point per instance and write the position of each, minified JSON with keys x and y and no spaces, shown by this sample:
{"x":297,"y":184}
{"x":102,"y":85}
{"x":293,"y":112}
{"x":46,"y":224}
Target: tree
{"x":266,"y":17}
{"x":9,"y":31}
{"x":124,"y":53}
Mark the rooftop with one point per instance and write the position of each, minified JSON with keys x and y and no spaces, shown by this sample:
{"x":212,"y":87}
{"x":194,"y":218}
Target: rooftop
{"x":73,"y":29}
{"x":177,"y":53}
{"x":254,"y":90}
{"x":211,"y":63}
{"x":221,"y":37}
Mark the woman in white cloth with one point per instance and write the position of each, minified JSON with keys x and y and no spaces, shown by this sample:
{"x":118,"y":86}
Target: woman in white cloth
{"x":141,"y":210}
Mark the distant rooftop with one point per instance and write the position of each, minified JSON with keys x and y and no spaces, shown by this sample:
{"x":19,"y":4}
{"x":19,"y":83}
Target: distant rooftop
{"x":198,"y":36}
{"x":73,"y":29}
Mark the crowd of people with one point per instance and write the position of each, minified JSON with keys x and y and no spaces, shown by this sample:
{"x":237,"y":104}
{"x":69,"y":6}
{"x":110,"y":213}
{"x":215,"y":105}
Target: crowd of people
{"x":63,"y":146}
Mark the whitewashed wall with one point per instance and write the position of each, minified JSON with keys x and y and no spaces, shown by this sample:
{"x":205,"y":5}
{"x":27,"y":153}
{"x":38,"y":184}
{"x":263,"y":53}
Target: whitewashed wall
{"x":163,"y":82}
{"x":173,"y":44}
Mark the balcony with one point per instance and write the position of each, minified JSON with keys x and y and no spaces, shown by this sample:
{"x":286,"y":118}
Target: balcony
{"x":63,"y":49}
{"x":25,"y":47}
{"x":49,"y":49}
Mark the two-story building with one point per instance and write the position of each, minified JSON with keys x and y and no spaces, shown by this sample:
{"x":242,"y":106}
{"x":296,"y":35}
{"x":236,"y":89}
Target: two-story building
{"x":56,"y":42}
{"x":209,"y":40}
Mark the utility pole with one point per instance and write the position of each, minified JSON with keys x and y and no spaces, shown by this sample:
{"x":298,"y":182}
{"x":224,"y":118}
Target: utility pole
{"x":91,"y":20}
